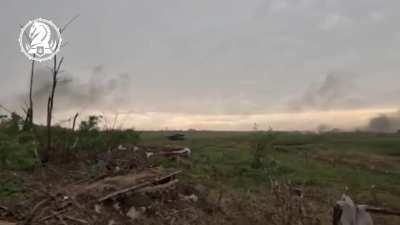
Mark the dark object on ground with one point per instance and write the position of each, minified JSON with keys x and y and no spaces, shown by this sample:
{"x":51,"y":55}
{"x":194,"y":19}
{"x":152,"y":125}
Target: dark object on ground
{"x":176,"y":137}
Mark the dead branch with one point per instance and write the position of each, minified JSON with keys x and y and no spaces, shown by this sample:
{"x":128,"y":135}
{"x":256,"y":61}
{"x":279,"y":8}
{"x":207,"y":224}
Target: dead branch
{"x":60,"y":218}
{"x":382,"y":211}
{"x":50,"y":102}
{"x":151,"y":189}
{"x":123,"y":191}
{"x":69,"y":22}
{"x":160,"y":179}
{"x":75,"y":219}
{"x":157,"y":181}
{"x":5,"y":109}
{"x":51,"y":216}
{"x":33,"y":211}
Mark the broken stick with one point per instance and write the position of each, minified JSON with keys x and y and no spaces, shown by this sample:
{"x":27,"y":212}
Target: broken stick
{"x":75,"y":219}
{"x":34,"y":209}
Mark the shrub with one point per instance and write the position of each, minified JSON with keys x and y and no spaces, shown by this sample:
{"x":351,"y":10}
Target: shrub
{"x":261,"y":146}
{"x":17,"y":152}
{"x":90,"y":137}
{"x":114,"y":138}
{"x":92,"y":124}
{"x":17,"y":147}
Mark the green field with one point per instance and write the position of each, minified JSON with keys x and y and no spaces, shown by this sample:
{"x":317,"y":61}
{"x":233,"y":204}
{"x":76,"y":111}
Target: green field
{"x":365,"y":165}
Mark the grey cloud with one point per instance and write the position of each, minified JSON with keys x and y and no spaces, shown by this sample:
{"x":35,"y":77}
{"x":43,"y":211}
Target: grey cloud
{"x":212,"y":57}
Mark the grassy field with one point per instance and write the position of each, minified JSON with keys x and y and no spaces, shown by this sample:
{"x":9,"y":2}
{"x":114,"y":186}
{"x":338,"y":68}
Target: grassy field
{"x":365,"y":165}
{"x":248,"y":176}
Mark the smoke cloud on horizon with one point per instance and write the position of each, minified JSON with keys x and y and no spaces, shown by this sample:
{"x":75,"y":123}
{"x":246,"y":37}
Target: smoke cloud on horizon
{"x":388,"y":123}
{"x":97,"y":93}
{"x":111,"y":94}
{"x":336,"y":91}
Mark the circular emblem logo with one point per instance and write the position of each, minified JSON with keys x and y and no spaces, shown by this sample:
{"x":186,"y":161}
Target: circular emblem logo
{"x":40,"y":39}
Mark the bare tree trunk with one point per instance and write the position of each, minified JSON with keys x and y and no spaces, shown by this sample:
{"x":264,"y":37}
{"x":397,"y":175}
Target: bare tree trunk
{"x":74,"y":121}
{"x":29,"y":112}
{"x":50,"y":104}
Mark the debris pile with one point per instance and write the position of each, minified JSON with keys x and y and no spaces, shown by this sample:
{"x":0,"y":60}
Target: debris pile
{"x":290,"y":205}
{"x":126,"y":188}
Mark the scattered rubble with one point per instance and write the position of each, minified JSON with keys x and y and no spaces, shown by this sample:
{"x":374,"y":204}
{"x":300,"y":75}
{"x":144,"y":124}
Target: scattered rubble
{"x":123,"y":186}
{"x":115,"y":187}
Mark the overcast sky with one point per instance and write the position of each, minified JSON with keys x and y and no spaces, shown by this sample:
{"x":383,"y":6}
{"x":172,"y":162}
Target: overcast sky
{"x":214,"y":64}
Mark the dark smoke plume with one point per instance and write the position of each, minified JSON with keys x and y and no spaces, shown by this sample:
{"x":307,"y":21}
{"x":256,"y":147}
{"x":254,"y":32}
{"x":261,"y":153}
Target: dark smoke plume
{"x":335,"y":92}
{"x":386,"y":123}
{"x":101,"y":91}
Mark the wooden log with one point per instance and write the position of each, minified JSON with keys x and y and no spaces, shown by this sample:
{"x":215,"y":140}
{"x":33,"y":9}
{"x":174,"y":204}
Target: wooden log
{"x":151,"y":189}
{"x":156,"y":181}
{"x":123,"y":191}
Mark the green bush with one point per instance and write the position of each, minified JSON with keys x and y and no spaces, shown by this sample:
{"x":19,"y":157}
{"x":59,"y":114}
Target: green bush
{"x":114,"y":138}
{"x":19,"y":148}
{"x":17,"y":152}
{"x":10,"y":186}
{"x":90,"y":137}
{"x":261,"y":146}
